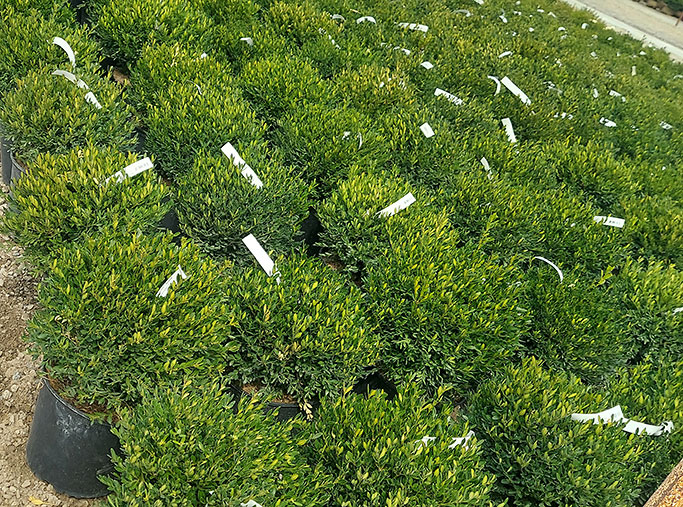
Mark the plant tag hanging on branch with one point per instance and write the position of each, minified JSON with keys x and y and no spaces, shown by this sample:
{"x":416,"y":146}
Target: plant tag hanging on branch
{"x":131,"y":170}
{"x":399,"y":205}
{"x":509,"y":130}
{"x":67,"y":49}
{"x":261,"y":256}
{"x":173,"y":279}
{"x":452,"y":98}
{"x":515,"y":90}
{"x":610,"y":221}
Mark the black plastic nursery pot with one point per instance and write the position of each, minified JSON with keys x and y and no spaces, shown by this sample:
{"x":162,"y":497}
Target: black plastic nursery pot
{"x":17,"y":169}
{"x":375,"y":381}
{"x":170,"y":222}
{"x":310,"y":232}
{"x":6,"y":162}
{"x":66,"y":449}
{"x":285,"y":411}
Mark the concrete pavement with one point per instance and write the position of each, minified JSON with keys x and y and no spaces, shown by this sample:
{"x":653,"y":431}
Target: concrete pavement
{"x":639,"y":21}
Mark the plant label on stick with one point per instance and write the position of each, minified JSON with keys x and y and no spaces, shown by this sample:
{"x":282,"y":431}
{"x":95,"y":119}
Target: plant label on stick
{"x":452,"y":98}
{"x":461,"y":440}
{"x":173,"y":279}
{"x":613,"y":414}
{"x":424,"y":440}
{"x":251,"y":503}
{"x":363,"y":19}
{"x":610,"y":221}
{"x":71,"y":77}
{"x":90,"y":97}
{"x":426,"y":130}
{"x":515,"y":90}
{"x":230,"y":152}
{"x":486,"y":165}
{"x":648,"y":429}
{"x":261,"y":256}
{"x":497,"y":81}
{"x":559,"y":271}
{"x":248,"y":40}
{"x":414,"y":26}
{"x":138,"y":167}
{"x":504,"y":54}
{"x":509,"y":130}
{"x":427,"y":65}
{"x":338,"y":16}
{"x":399,"y":205}
{"x":677,"y":310}
{"x":67,"y":49}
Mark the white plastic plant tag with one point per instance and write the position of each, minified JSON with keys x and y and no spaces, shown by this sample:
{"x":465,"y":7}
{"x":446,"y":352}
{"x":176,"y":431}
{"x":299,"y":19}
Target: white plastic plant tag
{"x":559,"y":271}
{"x":497,"y":81}
{"x":452,"y":98}
{"x":425,"y":440}
{"x":515,"y":90}
{"x":163,"y":291}
{"x":648,"y":429}
{"x":138,"y":167}
{"x":463,"y":11}
{"x":399,"y":205}
{"x":118,"y":176}
{"x":503,"y":18}
{"x":633,"y":71}
{"x":504,"y":54}
{"x":610,"y":221}
{"x":461,"y":440}
{"x":68,"y":75}
{"x":363,"y":19}
{"x":261,"y":256}
{"x":480,"y":2}
{"x":614,"y":93}
{"x":426,"y":130}
{"x":360,"y":140}
{"x":607,"y":123}
{"x":90,"y":97}
{"x":67,"y":49}
{"x":248,"y":40}
{"x":338,"y":16}
{"x":486,"y":165}
{"x":613,"y":414}
{"x":230,"y":152}
{"x":531,"y":28}
{"x":677,"y":310}
{"x":509,"y":130}
{"x":596,"y":94}
{"x":414,"y":26}
{"x":203,"y":55}
{"x":251,"y":503}
{"x":427,"y":65}
{"x":665,"y":125}
{"x":584,"y":26}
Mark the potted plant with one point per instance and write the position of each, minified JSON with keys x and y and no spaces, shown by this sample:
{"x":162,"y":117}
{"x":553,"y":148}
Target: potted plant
{"x":218,"y":206}
{"x":305,"y":337}
{"x":75,"y":121}
{"x":66,"y":197}
{"x":118,"y":315}
{"x":407,"y":451}
{"x":230,"y":453}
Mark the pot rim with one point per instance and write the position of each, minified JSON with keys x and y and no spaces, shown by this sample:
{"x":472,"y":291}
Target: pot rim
{"x":68,"y":405}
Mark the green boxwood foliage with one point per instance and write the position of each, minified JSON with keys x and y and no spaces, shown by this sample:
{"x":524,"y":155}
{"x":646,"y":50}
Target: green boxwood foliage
{"x":26,"y":44}
{"x":373,"y":448}
{"x":282,"y":83}
{"x":104,"y":334}
{"x":59,"y":10}
{"x":542,"y":457}
{"x":578,"y":325}
{"x":124,"y":27}
{"x":217,"y":206}
{"x":64,"y":197}
{"x":233,"y":20}
{"x":186,"y":121}
{"x":162,"y":65}
{"x":305,"y":337}
{"x":352,"y":230}
{"x":47,"y":113}
{"x":193,"y":445}
{"x":447,"y":314}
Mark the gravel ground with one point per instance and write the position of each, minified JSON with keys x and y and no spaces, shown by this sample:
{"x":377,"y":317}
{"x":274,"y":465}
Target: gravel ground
{"x":19,"y":383}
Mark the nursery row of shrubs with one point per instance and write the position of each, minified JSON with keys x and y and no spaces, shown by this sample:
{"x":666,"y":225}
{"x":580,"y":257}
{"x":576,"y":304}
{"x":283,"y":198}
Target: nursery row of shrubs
{"x":497,"y":301}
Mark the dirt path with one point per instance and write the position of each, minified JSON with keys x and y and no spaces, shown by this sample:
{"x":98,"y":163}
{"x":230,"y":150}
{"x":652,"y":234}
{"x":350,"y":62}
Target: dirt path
{"x":640,"y":21}
{"x":18,"y":383}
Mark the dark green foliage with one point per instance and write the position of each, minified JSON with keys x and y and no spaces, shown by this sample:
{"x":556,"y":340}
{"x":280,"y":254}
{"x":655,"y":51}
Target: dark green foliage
{"x":577,"y":325}
{"x":190,"y":445}
{"x":104,"y":334}
{"x":47,"y":113}
{"x":26,"y":44}
{"x":542,"y":457}
{"x":447,"y":314}
{"x":124,"y":27}
{"x":373,"y":449}
{"x":64,"y":197}
{"x":307,"y":336}
{"x":185,"y":121}
{"x":218,"y":206}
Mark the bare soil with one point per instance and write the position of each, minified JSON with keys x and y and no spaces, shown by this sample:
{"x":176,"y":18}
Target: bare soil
{"x":19,"y":383}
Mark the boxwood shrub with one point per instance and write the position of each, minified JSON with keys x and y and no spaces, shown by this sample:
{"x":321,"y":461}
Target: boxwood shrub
{"x":123,"y":28}
{"x":217,"y":206}
{"x":195,"y":445}
{"x":47,"y":113}
{"x":138,"y":339}
{"x":373,"y":449}
{"x":576,"y":325}
{"x":186,"y":121}
{"x":352,"y":230}
{"x":233,"y":20}
{"x":542,"y":457}
{"x":448,"y":314}
{"x":63,"y":198}
{"x":305,"y":337}
{"x":26,"y":44}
